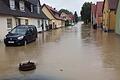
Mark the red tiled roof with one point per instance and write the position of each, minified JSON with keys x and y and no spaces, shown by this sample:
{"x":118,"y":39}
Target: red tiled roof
{"x":67,"y":16}
{"x":54,"y":12}
{"x":71,"y":16}
{"x":113,"y":4}
{"x":99,"y":7}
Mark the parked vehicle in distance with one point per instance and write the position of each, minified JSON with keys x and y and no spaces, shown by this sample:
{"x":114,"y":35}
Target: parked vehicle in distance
{"x":21,"y":35}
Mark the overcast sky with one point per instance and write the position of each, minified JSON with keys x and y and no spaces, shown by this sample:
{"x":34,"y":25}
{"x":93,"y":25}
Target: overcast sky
{"x":71,"y":5}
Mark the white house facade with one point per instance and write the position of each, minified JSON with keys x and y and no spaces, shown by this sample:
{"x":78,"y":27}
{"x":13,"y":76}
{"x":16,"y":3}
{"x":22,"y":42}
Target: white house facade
{"x":21,"y":12}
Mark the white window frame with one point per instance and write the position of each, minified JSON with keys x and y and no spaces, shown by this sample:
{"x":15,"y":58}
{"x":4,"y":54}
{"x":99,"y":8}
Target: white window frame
{"x":9,"y":23}
{"x":38,"y":8}
{"x":26,"y":22}
{"x":47,"y":22}
{"x":22,"y":6}
{"x":39,"y":23}
{"x":31,"y":7}
{"x":12,"y":4}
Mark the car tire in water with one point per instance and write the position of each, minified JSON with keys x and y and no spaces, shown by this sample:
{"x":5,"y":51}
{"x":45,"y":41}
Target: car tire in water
{"x":35,"y":39}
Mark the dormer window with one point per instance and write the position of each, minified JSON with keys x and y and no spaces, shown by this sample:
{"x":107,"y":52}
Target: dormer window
{"x":31,"y":8}
{"x":22,"y":6}
{"x":38,"y":8}
{"x":12,"y":4}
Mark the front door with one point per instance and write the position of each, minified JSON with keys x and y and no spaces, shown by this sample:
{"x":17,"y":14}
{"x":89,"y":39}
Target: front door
{"x":53,"y":25}
{"x":42,"y":25}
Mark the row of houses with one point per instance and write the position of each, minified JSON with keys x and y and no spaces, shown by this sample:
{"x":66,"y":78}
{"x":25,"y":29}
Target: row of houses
{"x":68,"y":18}
{"x":106,"y":15}
{"x":28,"y":12}
{"x":96,"y":14}
{"x":57,"y":19}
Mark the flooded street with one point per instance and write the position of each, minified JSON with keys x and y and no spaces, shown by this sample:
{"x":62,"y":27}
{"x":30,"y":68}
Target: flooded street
{"x":72,"y":53}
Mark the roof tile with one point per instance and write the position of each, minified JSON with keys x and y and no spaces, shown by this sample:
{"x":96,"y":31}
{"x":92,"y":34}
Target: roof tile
{"x":54,"y":12}
{"x":113,"y":4}
{"x":5,"y":10}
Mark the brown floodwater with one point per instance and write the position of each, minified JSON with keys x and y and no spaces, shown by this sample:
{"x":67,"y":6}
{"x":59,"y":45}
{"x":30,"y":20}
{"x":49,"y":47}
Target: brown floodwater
{"x":72,"y":53}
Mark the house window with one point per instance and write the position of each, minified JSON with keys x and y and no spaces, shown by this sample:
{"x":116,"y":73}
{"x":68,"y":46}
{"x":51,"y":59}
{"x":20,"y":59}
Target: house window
{"x":31,"y":8}
{"x":26,"y":21}
{"x":22,"y":6}
{"x":9,"y":23}
{"x":18,"y":21}
{"x":38,"y":8}
{"x":12,"y":4}
{"x":46,"y":22}
{"x":39,"y":23}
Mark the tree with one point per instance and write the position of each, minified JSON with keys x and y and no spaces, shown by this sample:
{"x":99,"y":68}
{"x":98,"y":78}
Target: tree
{"x":70,"y":16}
{"x":65,"y":11}
{"x":86,"y":12}
{"x":79,"y":18}
{"x":76,"y":17}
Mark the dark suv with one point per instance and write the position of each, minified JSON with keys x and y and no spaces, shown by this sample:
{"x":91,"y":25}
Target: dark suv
{"x":21,"y":35}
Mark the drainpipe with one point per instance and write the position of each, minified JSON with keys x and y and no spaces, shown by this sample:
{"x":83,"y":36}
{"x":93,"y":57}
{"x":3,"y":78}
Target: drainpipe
{"x":109,"y":21}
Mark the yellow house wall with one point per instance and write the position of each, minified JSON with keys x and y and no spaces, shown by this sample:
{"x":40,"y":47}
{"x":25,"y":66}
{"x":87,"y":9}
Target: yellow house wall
{"x":105,"y":14}
{"x":112,"y":20}
{"x":109,"y":17}
{"x":47,"y":13}
{"x":58,"y":23}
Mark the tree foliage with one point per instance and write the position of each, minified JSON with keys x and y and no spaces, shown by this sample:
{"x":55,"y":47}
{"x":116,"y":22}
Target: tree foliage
{"x":76,"y":17}
{"x":86,"y":12}
{"x":65,"y":11}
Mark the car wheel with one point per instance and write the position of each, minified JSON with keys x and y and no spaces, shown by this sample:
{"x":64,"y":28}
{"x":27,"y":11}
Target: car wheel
{"x":35,"y":39}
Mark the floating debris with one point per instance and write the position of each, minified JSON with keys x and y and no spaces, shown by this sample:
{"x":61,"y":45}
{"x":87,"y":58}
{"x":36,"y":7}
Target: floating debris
{"x":61,"y":70}
{"x":28,"y":66}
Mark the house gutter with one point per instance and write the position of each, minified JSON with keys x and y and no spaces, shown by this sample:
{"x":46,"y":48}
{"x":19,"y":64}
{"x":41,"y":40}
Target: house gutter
{"x":109,"y":20}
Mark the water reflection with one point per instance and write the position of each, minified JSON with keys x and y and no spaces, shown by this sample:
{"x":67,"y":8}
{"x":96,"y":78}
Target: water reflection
{"x":85,"y":34}
{"x":80,"y":52}
{"x":12,"y":56}
{"x":109,"y":43}
{"x":51,"y":36}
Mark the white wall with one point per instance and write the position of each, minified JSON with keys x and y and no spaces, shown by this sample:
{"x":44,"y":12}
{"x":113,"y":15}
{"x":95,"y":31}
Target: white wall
{"x":22,"y":21}
{"x":33,"y":21}
{"x":45,"y":23}
{"x":3,"y":26}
